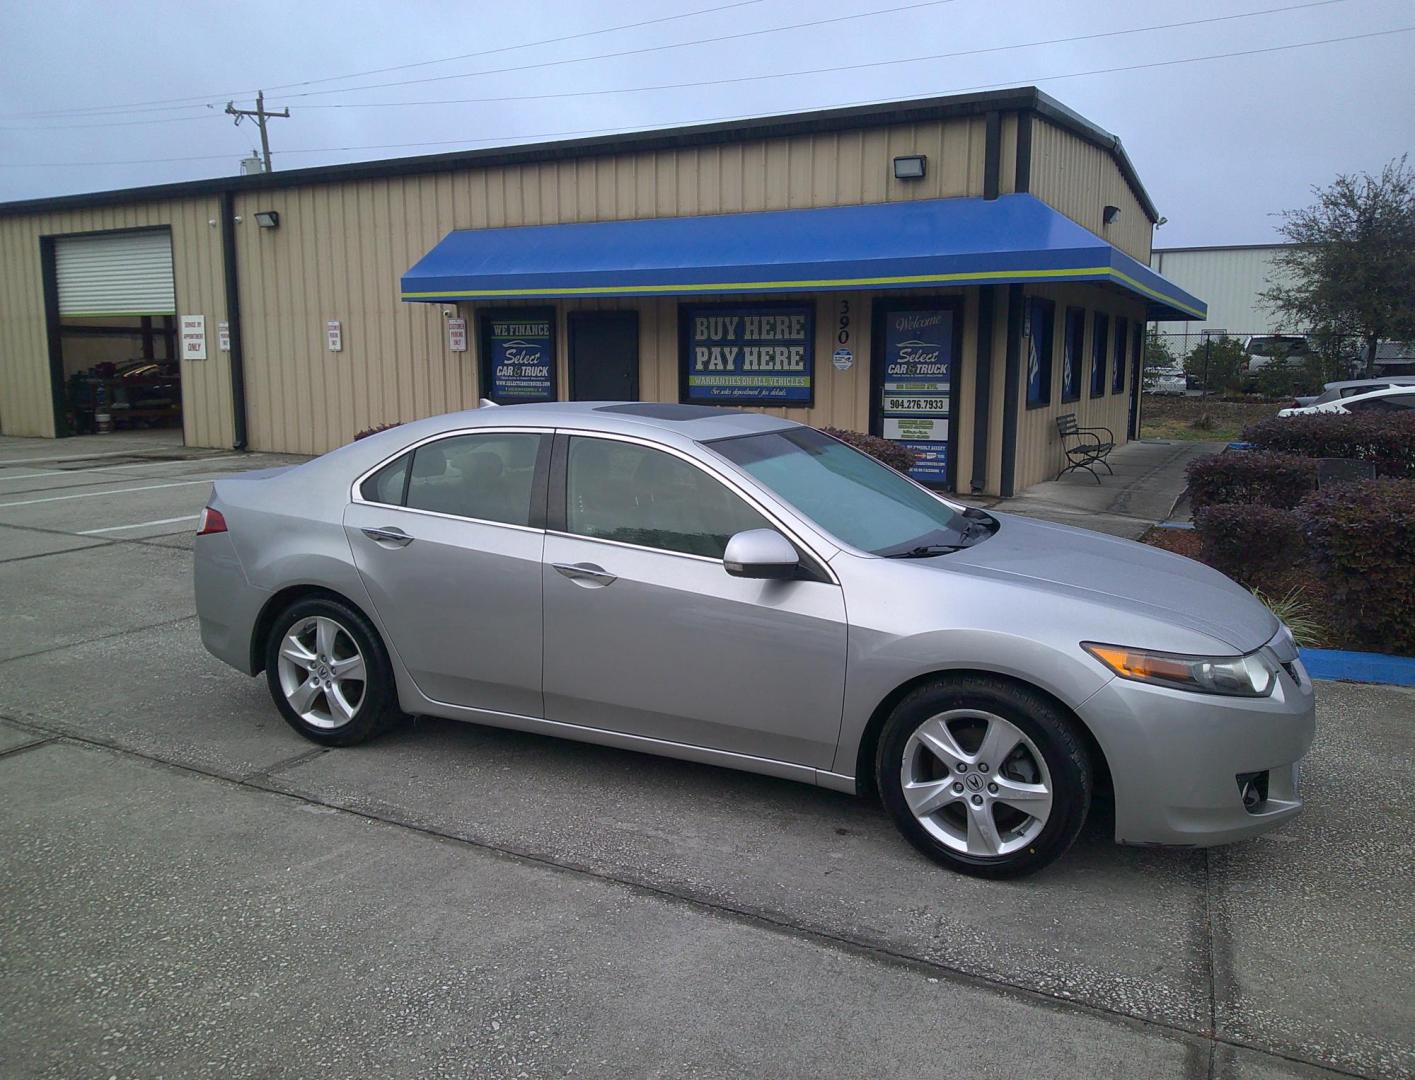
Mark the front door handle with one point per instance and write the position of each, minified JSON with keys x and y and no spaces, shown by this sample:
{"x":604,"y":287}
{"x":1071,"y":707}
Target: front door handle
{"x":389,"y":535}
{"x":587,"y":574}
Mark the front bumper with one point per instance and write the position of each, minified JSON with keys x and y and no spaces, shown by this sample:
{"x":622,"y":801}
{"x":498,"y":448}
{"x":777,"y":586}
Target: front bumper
{"x":1178,"y":759}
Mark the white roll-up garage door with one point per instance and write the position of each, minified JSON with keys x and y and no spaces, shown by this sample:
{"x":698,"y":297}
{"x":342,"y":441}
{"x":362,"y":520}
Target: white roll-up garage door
{"x":118,"y":274}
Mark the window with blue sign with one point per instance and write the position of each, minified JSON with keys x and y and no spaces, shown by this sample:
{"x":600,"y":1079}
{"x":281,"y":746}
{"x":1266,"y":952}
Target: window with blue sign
{"x":1037,"y":333}
{"x":914,"y":346}
{"x":1122,"y":338}
{"x":1075,"y":346}
{"x":1100,"y":347}
{"x":747,"y":354}
{"x":518,"y":355}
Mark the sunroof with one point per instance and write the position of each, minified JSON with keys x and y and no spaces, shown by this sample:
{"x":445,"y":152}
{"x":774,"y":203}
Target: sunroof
{"x":655,"y":410}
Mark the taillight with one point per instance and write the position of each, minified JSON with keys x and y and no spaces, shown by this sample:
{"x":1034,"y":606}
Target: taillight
{"x":211,"y":522}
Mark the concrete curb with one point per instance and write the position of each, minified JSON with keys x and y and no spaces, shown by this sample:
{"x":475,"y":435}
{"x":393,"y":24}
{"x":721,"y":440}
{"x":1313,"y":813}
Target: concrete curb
{"x":1359,"y":666}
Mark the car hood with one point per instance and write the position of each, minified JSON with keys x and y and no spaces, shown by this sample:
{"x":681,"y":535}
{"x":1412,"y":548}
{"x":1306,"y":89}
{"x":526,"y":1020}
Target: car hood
{"x":1128,"y":576}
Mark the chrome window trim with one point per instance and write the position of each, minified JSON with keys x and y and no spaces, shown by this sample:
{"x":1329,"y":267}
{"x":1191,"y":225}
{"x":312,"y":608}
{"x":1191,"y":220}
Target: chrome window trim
{"x":356,"y":490}
{"x":728,"y":482}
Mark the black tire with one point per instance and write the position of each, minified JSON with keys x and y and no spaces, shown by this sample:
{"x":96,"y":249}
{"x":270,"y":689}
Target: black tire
{"x":377,"y":705}
{"x":1051,"y":730}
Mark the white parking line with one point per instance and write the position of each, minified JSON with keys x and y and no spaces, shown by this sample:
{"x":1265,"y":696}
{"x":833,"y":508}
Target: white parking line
{"x":115,"y":491}
{"x":115,"y":468}
{"x":140,"y":525}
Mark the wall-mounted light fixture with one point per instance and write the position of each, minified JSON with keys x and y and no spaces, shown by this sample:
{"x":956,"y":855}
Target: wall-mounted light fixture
{"x":1110,"y":214}
{"x":268,"y":219}
{"x":912,"y":167}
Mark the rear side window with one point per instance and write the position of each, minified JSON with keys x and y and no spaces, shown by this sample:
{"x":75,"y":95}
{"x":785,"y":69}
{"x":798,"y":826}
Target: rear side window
{"x":386,"y":485}
{"x":488,"y":477}
{"x":637,"y":495}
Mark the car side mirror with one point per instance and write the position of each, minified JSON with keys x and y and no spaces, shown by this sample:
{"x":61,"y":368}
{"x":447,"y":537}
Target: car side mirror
{"x":760,"y":553}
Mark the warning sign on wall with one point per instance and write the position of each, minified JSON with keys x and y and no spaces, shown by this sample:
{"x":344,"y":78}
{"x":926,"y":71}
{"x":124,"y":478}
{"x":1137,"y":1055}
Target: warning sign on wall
{"x":193,"y":337}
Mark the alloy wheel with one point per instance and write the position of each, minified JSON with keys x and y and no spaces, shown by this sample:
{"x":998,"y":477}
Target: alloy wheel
{"x":322,"y":672}
{"x":976,"y":782}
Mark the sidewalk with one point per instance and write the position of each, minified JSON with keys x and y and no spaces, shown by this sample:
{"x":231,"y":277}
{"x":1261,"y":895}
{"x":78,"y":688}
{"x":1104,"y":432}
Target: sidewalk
{"x":1148,"y":483}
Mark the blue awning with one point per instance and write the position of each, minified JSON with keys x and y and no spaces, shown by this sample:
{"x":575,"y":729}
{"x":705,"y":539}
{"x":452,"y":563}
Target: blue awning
{"x":901,"y":245}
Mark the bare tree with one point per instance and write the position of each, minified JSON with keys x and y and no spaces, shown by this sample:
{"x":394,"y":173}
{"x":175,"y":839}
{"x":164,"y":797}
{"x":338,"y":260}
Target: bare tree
{"x":1350,"y":273}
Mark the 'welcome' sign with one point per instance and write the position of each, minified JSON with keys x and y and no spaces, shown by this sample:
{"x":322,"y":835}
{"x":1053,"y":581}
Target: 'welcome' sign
{"x":747,"y":354}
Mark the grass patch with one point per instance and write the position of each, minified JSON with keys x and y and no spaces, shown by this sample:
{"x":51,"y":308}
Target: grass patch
{"x":1193,"y":419}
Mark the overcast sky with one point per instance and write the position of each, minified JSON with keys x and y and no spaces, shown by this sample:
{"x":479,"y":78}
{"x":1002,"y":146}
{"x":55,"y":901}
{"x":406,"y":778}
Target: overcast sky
{"x":1220,"y":144}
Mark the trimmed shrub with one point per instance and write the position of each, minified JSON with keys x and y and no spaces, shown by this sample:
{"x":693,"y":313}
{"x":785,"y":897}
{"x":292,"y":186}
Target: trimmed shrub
{"x":1268,"y":479}
{"x":1249,"y":542}
{"x":1362,"y":539}
{"x":891,"y":453}
{"x":376,"y":429}
{"x":1388,"y":439}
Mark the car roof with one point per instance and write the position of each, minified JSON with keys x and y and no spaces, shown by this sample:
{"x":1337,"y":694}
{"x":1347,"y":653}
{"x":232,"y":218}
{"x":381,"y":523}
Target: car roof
{"x":1372,"y":380}
{"x":701,"y":423}
{"x":1385,"y":391}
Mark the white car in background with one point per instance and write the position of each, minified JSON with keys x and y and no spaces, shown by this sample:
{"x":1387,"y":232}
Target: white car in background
{"x":1166,"y":381}
{"x":1335,"y":391}
{"x":1390,"y":399}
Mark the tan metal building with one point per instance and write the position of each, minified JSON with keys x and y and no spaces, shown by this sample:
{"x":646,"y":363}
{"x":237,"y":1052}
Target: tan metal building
{"x":953,"y":273}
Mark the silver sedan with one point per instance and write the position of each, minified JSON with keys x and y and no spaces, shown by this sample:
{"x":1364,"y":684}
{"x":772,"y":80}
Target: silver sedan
{"x":741,"y":590}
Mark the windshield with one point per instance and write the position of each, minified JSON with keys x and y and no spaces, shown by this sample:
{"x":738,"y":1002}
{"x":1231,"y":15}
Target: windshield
{"x":851,"y":495}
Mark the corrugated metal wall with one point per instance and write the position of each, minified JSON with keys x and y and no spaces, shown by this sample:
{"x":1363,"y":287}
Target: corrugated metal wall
{"x":1229,"y":279}
{"x":341,"y":249}
{"x":25,"y":395}
{"x":1080,"y":180}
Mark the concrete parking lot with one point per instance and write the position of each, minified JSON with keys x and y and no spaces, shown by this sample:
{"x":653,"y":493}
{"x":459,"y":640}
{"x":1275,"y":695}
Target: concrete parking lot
{"x":191,"y":889}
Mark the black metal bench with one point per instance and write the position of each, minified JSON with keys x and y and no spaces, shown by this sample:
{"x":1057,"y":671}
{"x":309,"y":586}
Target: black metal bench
{"x":1083,"y":447}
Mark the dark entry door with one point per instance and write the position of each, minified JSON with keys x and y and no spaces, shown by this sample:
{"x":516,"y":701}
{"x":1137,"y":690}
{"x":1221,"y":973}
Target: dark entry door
{"x":604,"y":355}
{"x":913,"y":392}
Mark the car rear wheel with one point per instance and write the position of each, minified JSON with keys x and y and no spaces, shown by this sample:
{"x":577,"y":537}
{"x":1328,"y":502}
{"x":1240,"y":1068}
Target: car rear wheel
{"x":329,"y":673}
{"x":984,"y":776}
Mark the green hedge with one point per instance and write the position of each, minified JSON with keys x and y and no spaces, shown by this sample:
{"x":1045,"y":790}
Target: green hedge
{"x":1248,"y":541}
{"x":1254,"y":476}
{"x":1387,"y":439}
{"x":1362,"y":540}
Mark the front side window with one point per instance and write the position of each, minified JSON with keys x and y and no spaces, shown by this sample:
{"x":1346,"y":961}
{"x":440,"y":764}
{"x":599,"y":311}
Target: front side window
{"x":637,"y":495}
{"x":488,"y":477}
{"x":1391,"y":403}
{"x":1100,"y":347}
{"x":848,"y":494}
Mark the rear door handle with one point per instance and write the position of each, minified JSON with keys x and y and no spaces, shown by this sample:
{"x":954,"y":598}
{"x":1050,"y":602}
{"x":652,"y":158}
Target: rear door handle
{"x":587,"y":574}
{"x":389,"y":535}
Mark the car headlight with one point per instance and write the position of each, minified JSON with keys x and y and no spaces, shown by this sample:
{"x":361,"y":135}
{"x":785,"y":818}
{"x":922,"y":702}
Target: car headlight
{"x":1245,"y":676}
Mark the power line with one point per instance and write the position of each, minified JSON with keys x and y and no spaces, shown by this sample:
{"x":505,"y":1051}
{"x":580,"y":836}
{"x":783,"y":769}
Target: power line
{"x":519,"y":68}
{"x":727,"y":80}
{"x":198,"y":100}
{"x":512,"y":139}
{"x":824,"y":70}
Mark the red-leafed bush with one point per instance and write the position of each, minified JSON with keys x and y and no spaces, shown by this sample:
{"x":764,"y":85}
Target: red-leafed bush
{"x":376,"y":429}
{"x":1362,"y":540}
{"x":1387,"y":439}
{"x":1253,"y":477}
{"x":891,"y":453}
{"x":1250,"y":542}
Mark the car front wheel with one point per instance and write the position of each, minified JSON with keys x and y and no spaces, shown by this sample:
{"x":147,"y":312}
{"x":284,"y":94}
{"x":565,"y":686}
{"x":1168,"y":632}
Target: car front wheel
{"x":984,"y":776}
{"x":329,"y":674}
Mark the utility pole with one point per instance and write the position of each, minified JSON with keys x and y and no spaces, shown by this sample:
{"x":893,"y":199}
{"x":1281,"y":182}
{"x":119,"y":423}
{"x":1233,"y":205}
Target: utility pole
{"x":261,"y":116}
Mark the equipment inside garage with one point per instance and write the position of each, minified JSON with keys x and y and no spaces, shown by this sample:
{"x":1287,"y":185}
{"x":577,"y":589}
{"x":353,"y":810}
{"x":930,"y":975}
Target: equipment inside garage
{"x":116,"y":331}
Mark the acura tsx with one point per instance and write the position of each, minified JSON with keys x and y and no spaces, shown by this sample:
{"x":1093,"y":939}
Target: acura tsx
{"x":741,"y":590}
